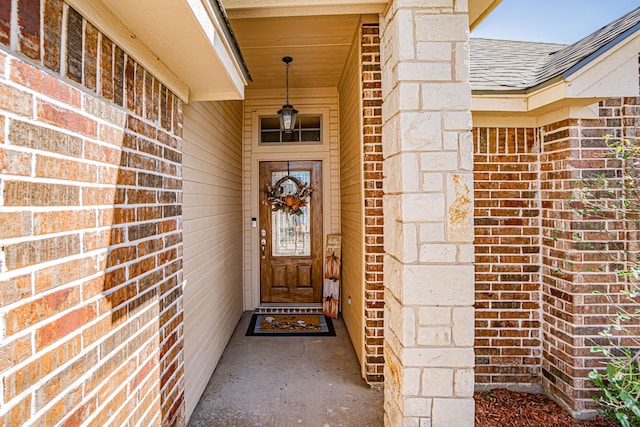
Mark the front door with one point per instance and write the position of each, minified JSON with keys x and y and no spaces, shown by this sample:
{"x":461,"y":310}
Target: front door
{"x":291,"y":238}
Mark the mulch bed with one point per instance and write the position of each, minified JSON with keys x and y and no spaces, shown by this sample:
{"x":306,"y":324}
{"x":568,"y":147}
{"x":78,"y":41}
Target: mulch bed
{"x":497,"y":408}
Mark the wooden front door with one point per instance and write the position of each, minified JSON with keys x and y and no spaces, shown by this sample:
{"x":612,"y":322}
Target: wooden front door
{"x":290,"y":244}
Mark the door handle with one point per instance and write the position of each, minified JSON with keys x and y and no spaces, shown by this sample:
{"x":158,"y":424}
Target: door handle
{"x":263,"y":244}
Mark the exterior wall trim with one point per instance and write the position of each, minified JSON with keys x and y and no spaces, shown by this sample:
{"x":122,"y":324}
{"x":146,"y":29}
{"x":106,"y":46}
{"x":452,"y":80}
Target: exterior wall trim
{"x":506,"y":119}
{"x":253,"y":300}
{"x":315,"y":101}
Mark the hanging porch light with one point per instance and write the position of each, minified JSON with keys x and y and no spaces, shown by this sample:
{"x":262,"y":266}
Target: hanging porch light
{"x":287,"y":113}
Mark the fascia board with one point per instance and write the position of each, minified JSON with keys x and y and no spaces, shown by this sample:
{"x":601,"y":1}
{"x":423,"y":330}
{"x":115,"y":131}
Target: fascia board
{"x":546,"y":96}
{"x":497,"y":102}
{"x":244,"y":9}
{"x":203,"y":13}
{"x":549,"y":115}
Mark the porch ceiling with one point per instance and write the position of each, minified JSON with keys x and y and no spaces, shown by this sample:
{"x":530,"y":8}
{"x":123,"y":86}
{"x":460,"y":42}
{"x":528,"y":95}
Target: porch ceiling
{"x":316,"y":33}
{"x":319,"y":46}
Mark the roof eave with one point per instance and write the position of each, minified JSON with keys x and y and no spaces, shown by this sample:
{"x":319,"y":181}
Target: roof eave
{"x":587,"y":60}
{"x":525,"y":91}
{"x":613,"y":72}
{"x":231,"y":38}
{"x":543,"y":98}
{"x":198,"y":59}
{"x":479,"y":10}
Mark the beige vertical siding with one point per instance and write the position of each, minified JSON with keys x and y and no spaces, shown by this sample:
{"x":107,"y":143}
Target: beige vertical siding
{"x":352,"y":199}
{"x":309,"y":101}
{"x":212,"y":214}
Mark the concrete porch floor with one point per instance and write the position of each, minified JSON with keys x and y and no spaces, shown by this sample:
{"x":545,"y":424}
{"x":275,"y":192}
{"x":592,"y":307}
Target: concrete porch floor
{"x":288,"y":381}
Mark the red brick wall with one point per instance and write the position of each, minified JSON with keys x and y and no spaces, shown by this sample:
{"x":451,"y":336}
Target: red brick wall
{"x":573,"y":315}
{"x":533,"y":326}
{"x":536,"y":314}
{"x":507,"y":248}
{"x":560,"y":145}
{"x":90,"y":227}
{"x":374,"y":220}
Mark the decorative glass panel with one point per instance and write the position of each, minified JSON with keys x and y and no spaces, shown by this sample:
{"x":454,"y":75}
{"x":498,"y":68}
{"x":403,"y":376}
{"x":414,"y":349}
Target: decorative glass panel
{"x":308,"y":130}
{"x":291,"y":234}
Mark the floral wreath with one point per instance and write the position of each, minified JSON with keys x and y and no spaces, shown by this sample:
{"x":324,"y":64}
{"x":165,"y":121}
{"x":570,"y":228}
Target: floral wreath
{"x":288,"y":203}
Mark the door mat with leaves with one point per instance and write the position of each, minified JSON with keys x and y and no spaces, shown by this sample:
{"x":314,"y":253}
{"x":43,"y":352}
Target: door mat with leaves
{"x":290,"y":324}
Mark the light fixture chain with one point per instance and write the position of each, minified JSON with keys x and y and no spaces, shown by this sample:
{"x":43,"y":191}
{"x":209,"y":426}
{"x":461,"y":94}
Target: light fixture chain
{"x":287,"y":82}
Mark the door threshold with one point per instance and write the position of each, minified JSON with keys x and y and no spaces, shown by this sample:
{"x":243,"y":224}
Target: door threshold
{"x":289,"y":308}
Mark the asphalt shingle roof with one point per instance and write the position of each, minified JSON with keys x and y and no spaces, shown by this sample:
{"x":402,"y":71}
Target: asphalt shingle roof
{"x":504,"y":65}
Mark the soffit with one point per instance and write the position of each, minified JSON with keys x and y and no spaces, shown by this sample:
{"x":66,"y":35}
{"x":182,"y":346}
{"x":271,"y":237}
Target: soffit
{"x":478,"y":9}
{"x":182,"y":42}
{"x":319,"y":46}
{"x":185,"y":37}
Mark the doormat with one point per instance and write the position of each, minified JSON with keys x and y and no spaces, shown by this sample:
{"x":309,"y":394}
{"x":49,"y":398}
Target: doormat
{"x":290,"y":324}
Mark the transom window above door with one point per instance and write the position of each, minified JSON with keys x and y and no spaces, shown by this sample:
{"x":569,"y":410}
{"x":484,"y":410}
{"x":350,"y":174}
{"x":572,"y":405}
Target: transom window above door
{"x":308,"y":130}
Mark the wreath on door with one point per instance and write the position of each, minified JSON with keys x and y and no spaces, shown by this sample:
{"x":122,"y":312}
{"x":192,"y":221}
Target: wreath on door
{"x":290,"y":203}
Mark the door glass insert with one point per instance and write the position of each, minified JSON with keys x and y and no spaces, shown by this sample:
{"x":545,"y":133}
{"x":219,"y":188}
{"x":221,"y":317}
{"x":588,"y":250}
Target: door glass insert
{"x":291,"y":234}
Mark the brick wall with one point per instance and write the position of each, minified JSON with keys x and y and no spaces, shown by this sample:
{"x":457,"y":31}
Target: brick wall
{"x":373,"y":216}
{"x":559,"y":140}
{"x":536,"y":314}
{"x":533,"y":327}
{"x":90,"y":227}
{"x":573,"y":315}
{"x":569,"y":150}
{"x":507,"y":344}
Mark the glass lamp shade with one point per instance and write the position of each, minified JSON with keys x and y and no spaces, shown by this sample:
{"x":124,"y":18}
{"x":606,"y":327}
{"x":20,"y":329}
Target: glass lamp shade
{"x":287,"y":118}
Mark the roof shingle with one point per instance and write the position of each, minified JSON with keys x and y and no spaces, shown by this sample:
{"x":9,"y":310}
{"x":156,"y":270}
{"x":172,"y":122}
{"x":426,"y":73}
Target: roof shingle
{"x":504,"y":65}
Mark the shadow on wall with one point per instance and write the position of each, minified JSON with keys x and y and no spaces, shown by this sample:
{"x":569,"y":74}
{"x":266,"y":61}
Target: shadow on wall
{"x":91,"y":235}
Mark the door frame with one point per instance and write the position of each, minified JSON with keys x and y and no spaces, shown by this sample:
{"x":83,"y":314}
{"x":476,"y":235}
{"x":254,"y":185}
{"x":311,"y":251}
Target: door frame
{"x":316,"y":236}
{"x":252,"y":296}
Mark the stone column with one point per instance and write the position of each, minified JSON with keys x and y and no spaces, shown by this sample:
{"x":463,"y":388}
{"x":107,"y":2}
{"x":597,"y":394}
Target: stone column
{"x":428,"y":214}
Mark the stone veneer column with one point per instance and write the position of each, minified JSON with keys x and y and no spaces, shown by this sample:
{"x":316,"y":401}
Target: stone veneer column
{"x":428,"y":214}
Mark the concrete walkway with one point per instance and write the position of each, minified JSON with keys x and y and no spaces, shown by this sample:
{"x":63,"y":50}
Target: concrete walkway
{"x":288,"y":381}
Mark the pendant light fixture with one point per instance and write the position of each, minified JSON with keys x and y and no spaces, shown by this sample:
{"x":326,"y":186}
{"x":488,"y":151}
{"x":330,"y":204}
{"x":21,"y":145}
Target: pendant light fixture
{"x":287,"y":113}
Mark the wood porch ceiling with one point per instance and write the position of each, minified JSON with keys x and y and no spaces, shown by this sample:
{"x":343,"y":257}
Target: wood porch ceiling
{"x":316,"y":33}
{"x":319,"y":46}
